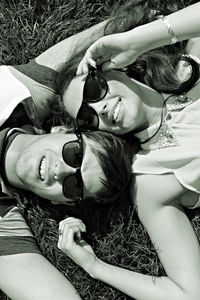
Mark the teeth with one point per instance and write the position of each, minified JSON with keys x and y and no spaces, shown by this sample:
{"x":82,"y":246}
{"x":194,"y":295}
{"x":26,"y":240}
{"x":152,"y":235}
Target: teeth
{"x":42,"y":168}
{"x":116,"y":112}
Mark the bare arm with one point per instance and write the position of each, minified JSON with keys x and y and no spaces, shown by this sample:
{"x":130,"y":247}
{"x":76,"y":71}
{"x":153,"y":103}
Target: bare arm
{"x":32,"y":277}
{"x":185,"y":24}
{"x":193,"y":47}
{"x":174,"y":240}
{"x":122,"y":49}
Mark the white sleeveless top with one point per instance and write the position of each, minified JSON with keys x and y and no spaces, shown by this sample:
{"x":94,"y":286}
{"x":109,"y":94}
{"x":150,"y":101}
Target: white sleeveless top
{"x":175,"y":148}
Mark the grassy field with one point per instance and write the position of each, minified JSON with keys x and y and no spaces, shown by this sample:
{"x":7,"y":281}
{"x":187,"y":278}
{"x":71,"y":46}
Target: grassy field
{"x":27,"y":28}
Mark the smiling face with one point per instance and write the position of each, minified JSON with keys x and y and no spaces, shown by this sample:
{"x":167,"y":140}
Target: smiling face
{"x":38,"y":166}
{"x":119,"y":112}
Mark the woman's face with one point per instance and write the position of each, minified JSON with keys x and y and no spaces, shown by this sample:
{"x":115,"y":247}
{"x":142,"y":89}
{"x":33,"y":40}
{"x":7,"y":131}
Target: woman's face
{"x":119,"y":112}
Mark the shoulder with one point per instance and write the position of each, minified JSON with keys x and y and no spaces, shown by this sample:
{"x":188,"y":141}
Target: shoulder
{"x":153,"y":191}
{"x":39,"y":73}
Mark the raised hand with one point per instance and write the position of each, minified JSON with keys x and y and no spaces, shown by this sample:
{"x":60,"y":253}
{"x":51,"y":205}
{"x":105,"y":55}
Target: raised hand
{"x":113,"y":51}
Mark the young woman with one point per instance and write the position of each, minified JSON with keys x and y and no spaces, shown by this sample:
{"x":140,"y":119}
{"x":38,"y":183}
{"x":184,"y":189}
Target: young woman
{"x":157,"y":68}
{"x":165,"y":118}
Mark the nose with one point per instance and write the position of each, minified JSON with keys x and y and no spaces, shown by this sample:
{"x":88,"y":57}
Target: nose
{"x":62,"y":170}
{"x":100,"y":107}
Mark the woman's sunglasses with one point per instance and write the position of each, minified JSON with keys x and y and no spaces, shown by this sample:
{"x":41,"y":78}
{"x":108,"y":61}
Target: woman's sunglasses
{"x":94,"y":90}
{"x":72,"y":154}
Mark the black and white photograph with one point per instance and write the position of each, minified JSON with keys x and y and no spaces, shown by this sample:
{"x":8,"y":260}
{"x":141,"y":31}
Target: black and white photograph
{"x":99,"y":150}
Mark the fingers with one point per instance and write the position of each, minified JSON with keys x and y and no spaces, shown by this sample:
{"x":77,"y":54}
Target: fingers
{"x":66,"y":239}
{"x":70,"y":235}
{"x":92,"y":57}
{"x":117,"y":61}
{"x":70,"y":227}
{"x":77,"y":225}
{"x":76,"y":248}
{"x":112,"y":52}
{"x":109,"y":65}
{"x":86,"y":62}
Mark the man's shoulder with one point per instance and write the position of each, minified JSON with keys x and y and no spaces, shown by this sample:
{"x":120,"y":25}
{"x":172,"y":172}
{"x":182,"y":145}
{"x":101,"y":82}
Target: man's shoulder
{"x":39,"y":73}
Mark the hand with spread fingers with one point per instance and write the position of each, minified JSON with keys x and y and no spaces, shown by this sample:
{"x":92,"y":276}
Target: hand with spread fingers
{"x":71,"y":243}
{"x":113,"y":51}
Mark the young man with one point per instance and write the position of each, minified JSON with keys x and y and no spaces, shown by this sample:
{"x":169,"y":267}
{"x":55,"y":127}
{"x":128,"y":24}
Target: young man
{"x":60,"y":167}
{"x":63,"y":168}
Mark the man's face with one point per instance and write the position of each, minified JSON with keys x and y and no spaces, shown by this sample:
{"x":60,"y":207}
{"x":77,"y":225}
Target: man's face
{"x":37,"y":165}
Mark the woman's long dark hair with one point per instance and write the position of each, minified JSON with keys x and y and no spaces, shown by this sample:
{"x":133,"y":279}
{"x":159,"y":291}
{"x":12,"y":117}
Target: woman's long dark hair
{"x":156,"y":68}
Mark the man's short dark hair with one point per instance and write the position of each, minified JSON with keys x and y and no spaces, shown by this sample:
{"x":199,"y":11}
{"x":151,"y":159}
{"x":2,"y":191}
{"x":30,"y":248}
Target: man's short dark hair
{"x":115,"y":156}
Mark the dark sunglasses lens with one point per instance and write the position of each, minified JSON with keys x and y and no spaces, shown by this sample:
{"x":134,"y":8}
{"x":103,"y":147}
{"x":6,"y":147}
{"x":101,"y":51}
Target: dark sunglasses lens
{"x":73,"y":187}
{"x":72,"y":154}
{"x":95,"y":88}
{"x":87,"y":118}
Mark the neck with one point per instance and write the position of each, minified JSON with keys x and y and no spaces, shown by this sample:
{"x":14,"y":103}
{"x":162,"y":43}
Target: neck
{"x":152,"y":104}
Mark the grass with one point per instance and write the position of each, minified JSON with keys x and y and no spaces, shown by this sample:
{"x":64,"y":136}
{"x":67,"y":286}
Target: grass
{"x":28,"y":27}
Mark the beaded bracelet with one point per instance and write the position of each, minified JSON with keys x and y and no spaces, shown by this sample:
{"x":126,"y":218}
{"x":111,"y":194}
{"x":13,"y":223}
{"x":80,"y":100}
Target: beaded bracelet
{"x":170,"y":31}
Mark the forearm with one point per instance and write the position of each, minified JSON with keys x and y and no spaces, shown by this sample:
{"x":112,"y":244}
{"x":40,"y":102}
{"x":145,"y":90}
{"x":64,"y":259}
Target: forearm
{"x":185,"y":23}
{"x":137,"y":285}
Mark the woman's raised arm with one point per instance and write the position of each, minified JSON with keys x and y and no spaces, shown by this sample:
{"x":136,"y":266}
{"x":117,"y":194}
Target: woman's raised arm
{"x":122,"y":49}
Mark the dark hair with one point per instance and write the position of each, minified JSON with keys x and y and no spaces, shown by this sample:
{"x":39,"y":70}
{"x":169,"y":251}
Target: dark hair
{"x":156,"y":68}
{"x":115,"y":158}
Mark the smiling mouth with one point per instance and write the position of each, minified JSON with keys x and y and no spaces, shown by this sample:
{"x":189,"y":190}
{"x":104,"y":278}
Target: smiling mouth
{"x":116,"y":112}
{"x":42,"y":167}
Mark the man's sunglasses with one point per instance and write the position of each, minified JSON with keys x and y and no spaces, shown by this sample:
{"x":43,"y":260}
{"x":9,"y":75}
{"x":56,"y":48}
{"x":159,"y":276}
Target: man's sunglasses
{"x":72,"y":154}
{"x":94,"y":90}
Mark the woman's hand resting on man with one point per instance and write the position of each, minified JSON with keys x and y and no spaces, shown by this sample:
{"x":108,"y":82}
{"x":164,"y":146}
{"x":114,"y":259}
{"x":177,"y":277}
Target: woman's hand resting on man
{"x":71,"y":243}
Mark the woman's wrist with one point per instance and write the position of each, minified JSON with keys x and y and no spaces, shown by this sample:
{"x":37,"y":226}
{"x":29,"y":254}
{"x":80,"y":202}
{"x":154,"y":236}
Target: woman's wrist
{"x":93,"y":269}
{"x":178,"y":26}
{"x":150,"y":36}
